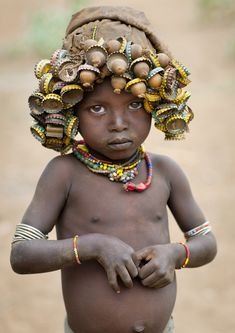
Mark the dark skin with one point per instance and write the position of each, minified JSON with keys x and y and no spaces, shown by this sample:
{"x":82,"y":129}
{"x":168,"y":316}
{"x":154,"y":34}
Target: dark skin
{"x":128,"y":265}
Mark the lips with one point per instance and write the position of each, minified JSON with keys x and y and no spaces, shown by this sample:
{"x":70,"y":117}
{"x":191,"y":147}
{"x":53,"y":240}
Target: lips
{"x":120,"y":143}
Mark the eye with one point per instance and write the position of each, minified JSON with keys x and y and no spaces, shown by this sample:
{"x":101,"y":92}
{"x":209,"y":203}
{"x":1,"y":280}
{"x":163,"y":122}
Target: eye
{"x":98,"y":109}
{"x":136,"y":105}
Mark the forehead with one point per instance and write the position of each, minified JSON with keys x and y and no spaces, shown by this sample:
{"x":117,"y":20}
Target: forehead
{"x":104,"y":91}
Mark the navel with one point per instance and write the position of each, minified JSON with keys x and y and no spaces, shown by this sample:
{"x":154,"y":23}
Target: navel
{"x":95,"y":219}
{"x":139,"y":326}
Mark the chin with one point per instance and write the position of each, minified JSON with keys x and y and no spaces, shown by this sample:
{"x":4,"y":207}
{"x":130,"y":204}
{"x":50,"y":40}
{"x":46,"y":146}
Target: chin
{"x":114,"y":153}
{"x":120,"y":155}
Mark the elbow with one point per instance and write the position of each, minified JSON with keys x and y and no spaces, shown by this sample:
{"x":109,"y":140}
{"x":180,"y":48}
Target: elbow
{"x":212,"y":247}
{"x":16,"y":268}
{"x":17,"y":260}
{"x":15,"y":265}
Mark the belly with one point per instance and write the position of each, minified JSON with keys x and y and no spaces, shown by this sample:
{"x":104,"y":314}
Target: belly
{"x":93,"y":307}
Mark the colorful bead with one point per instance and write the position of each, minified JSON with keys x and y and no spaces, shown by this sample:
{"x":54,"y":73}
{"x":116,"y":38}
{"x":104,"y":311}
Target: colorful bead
{"x":142,"y":186}
{"x":123,"y":173}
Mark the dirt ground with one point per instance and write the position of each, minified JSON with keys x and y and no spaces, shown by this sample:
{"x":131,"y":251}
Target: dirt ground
{"x":206,"y":295}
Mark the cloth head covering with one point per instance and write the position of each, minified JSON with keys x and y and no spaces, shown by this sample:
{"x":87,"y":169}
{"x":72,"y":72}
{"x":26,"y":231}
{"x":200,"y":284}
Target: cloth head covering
{"x":147,"y":70}
{"x":112,"y":22}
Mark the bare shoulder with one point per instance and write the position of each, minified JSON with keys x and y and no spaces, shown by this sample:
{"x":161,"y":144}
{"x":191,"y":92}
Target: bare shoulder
{"x":62,"y":163}
{"x":166,"y":166}
{"x":60,"y":168}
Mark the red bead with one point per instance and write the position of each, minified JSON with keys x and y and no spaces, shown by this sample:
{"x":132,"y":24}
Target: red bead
{"x":130,"y":187}
{"x":141,"y":187}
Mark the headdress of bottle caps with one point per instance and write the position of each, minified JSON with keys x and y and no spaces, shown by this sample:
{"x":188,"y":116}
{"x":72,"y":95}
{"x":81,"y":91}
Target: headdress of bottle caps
{"x":152,"y":76}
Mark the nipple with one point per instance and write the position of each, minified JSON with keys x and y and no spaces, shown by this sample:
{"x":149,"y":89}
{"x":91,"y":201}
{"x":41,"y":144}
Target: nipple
{"x":139,"y":326}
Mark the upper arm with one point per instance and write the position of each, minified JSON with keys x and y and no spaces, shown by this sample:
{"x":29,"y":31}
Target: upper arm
{"x":50,"y":195}
{"x":181,"y":201}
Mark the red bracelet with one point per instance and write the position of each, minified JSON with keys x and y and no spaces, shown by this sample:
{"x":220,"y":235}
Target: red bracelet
{"x":75,"y":250}
{"x":187,"y":252}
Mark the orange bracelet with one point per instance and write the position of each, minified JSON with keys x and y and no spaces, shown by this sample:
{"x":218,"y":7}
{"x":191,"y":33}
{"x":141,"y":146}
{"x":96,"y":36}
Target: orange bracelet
{"x":187,"y":251}
{"x":75,"y":250}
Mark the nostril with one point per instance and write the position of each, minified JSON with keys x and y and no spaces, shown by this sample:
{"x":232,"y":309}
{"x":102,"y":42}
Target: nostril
{"x":118,"y":123}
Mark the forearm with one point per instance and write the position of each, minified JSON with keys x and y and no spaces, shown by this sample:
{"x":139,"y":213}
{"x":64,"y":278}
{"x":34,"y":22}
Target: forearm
{"x":202,"y":250}
{"x":39,"y":256}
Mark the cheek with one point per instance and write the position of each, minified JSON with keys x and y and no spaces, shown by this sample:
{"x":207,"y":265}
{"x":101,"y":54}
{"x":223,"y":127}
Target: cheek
{"x":91,"y":131}
{"x":142,"y":124}
{"x":84,"y":123}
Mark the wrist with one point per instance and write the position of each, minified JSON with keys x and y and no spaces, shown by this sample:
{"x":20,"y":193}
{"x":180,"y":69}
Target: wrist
{"x":179,"y":255}
{"x":88,"y":246}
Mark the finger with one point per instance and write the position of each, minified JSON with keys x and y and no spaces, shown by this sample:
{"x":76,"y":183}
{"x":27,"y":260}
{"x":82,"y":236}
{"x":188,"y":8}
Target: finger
{"x":142,"y":254}
{"x":132,"y":269}
{"x":164,"y":280}
{"x":135,"y":260}
{"x":112,"y":279}
{"x":156,"y":281}
{"x":125,"y":276}
{"x":150,"y":279}
{"x":160,"y":283}
{"x":147,"y":270}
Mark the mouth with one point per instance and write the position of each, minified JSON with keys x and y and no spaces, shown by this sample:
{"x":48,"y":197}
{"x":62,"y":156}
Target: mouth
{"x":120,"y":143}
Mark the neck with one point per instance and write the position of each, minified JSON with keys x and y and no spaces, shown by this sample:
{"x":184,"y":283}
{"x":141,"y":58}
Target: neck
{"x":105,"y":159}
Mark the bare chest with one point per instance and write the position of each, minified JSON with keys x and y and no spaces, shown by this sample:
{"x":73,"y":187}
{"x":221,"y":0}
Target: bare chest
{"x":98,"y":205}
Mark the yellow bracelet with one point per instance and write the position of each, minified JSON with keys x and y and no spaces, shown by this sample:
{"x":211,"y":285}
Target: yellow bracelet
{"x":75,"y":250}
{"x":187,"y":253}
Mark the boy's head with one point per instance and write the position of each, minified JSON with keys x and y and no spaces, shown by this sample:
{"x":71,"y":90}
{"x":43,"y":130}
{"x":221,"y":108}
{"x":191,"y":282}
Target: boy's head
{"x":114,"y":42}
{"x":113,"y":125}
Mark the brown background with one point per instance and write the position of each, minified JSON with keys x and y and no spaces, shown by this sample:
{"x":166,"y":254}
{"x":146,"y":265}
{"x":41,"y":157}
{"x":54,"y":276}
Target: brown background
{"x":206,"y":295}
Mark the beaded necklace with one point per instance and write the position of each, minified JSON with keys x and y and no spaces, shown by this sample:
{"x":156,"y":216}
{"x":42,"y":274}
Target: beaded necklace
{"x":123,"y":173}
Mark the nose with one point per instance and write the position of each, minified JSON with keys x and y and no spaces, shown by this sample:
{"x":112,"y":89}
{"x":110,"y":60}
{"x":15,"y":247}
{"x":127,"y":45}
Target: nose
{"x":118,"y":121}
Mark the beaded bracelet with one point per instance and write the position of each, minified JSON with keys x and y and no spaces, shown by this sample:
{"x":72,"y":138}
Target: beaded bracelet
{"x":75,"y":250}
{"x":202,"y":229}
{"x":187,"y":252}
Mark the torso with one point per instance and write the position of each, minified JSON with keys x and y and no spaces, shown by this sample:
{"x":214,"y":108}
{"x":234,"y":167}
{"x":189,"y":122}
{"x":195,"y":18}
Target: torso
{"x":96,"y":205}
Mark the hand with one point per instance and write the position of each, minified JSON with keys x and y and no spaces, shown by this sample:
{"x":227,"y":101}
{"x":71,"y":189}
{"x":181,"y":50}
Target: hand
{"x":118,"y":259}
{"x":158,"y":267}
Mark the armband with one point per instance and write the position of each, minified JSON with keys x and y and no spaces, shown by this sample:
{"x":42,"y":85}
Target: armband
{"x":202,"y":229}
{"x":27,"y":232}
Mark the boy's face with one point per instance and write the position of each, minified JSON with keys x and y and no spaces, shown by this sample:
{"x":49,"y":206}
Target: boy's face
{"x":113,"y":125}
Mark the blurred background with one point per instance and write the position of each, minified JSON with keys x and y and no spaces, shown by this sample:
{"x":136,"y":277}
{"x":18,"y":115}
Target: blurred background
{"x":201,"y":34}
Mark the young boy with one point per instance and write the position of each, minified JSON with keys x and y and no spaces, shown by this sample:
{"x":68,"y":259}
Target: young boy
{"x":108,"y":198}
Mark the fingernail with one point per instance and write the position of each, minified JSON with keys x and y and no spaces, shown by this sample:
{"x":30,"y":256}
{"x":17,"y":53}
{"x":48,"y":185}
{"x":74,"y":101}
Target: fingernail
{"x":118,"y":291}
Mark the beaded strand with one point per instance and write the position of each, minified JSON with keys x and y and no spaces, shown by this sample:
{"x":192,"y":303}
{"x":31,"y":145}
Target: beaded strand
{"x":142,"y":186}
{"x":123,"y":173}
